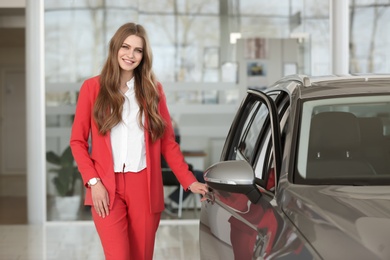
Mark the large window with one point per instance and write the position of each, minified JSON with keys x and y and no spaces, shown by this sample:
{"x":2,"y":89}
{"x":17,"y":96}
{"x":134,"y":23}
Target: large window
{"x":180,"y":32}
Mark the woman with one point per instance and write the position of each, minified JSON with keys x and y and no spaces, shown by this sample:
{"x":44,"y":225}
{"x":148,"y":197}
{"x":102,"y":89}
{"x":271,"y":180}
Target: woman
{"x":124,"y":112}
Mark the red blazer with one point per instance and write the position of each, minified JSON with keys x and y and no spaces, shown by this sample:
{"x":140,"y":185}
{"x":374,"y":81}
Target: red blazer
{"x":98,"y":161}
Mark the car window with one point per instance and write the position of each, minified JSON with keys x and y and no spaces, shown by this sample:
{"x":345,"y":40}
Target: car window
{"x":345,"y":140}
{"x":246,"y":128}
{"x":252,"y":131}
{"x":264,"y":166}
{"x":252,"y":140}
{"x":254,"y":128}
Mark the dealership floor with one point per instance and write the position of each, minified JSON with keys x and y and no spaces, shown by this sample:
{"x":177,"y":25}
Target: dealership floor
{"x":174,"y":240}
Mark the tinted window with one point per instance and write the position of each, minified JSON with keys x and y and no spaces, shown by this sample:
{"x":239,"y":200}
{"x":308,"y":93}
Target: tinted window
{"x":264,"y":167}
{"x":345,"y":141}
{"x":246,"y":130}
{"x":252,"y":130}
{"x":250,"y":136}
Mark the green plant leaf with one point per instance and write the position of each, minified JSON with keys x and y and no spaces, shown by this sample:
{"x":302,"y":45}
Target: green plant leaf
{"x":53,"y":158}
{"x":67,"y":159}
{"x":66,"y":173}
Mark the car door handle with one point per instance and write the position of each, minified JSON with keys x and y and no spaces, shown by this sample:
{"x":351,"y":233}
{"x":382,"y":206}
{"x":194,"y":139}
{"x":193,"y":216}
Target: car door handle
{"x":210,"y":198}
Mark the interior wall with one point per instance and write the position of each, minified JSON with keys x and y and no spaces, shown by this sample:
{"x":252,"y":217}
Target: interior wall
{"x":12,"y":56}
{"x":12,"y":3}
{"x":12,"y":53}
{"x":13,"y":187}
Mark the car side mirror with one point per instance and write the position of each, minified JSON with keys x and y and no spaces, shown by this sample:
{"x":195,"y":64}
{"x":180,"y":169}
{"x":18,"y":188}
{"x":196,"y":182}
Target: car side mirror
{"x":233,"y":176}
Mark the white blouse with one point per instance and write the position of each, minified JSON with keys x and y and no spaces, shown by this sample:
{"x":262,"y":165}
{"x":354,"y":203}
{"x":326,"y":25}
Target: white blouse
{"x":127,"y":137}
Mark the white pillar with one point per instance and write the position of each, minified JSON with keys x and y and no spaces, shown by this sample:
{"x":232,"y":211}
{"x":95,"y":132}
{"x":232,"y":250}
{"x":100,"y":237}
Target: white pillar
{"x":35,"y":103}
{"x":339,"y":36}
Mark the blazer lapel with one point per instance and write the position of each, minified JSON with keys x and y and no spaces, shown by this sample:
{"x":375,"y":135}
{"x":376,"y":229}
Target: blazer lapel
{"x":107,"y":139}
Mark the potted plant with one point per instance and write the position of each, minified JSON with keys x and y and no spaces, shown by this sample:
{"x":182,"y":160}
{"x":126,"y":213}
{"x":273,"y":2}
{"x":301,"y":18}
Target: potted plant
{"x":65,"y":181}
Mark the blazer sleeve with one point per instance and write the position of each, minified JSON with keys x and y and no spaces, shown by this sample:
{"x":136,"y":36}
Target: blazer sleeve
{"x":81,"y":130}
{"x":170,"y":149}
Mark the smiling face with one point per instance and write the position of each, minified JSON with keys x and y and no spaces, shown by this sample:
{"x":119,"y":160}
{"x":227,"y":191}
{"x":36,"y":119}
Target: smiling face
{"x":130,"y":55}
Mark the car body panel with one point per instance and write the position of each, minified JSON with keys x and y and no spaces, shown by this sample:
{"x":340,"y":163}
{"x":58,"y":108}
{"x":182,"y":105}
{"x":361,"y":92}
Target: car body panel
{"x":254,"y":231}
{"x":352,"y":220}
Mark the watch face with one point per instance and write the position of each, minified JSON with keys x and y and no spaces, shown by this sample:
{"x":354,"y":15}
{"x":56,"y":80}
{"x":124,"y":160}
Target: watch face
{"x":92,"y":181}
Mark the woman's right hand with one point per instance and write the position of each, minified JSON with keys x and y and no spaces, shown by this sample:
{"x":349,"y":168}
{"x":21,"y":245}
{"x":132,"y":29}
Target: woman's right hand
{"x":100,"y":199}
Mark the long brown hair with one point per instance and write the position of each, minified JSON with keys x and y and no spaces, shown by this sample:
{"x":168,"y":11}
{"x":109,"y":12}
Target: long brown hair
{"x":109,"y":103}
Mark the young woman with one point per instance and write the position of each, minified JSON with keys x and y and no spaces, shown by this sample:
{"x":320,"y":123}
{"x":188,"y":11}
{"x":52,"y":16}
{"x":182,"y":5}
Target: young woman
{"x":124,"y":113}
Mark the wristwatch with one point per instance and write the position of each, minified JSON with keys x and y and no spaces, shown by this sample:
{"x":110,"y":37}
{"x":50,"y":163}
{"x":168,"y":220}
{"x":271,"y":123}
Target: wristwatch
{"x":93,"y":181}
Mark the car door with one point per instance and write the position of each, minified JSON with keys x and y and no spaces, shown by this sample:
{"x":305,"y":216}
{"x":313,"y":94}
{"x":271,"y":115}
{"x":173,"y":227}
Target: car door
{"x":237,"y":220}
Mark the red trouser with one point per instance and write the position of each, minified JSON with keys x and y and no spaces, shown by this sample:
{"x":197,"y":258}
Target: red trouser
{"x":129,"y":231}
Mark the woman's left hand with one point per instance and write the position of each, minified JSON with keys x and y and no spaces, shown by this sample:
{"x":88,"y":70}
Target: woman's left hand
{"x":199,"y":188}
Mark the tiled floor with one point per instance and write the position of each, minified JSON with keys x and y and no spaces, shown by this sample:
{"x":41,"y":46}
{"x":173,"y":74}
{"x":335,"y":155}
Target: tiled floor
{"x":174,"y":240}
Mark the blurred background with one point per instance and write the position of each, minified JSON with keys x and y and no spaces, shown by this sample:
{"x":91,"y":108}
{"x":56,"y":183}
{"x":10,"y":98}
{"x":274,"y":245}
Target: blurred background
{"x":207,"y":53}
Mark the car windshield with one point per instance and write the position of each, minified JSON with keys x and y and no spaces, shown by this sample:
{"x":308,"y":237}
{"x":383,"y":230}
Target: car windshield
{"x":345,"y":141}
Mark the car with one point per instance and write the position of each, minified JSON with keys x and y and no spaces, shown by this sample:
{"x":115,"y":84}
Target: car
{"x":304,"y":173}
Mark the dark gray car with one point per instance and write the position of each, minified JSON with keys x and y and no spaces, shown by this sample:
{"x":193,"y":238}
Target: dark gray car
{"x":304,"y":173}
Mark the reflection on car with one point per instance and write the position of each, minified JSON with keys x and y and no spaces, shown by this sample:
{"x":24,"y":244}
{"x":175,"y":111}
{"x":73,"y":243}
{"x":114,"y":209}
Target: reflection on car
{"x":304,"y":173}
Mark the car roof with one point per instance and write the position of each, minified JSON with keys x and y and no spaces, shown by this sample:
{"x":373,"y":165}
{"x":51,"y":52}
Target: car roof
{"x":335,"y":85}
